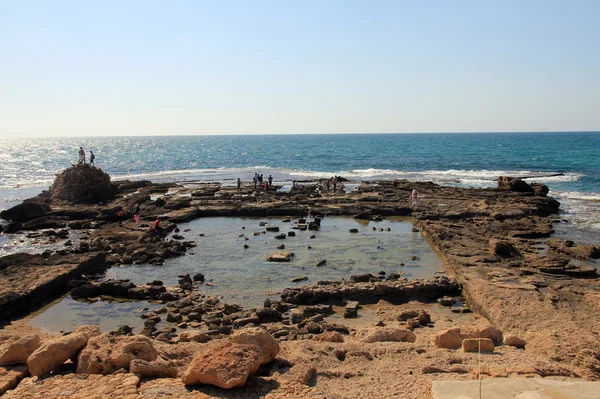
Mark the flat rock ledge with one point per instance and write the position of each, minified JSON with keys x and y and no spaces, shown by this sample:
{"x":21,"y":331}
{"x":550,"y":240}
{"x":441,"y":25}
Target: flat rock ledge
{"x":28,"y":280}
{"x":371,"y":292}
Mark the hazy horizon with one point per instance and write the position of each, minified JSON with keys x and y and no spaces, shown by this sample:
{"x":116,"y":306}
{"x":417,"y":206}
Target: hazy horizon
{"x":298,"y":134}
{"x":147,"y":68}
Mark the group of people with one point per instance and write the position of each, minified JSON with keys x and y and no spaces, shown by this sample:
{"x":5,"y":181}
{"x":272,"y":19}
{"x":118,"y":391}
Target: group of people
{"x":82,"y":157}
{"x":257,"y":179}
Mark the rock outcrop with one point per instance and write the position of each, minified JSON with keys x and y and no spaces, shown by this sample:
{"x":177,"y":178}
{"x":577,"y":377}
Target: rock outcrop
{"x":55,"y":352}
{"x":223,"y":364}
{"x":105,"y":354}
{"x":81,"y":183}
{"x":261,"y":338}
{"x":15,"y":350}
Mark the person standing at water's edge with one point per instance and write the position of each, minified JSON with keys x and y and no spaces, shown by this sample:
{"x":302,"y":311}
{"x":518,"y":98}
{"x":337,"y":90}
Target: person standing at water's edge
{"x":81,"y":156}
{"x":92,"y":157}
{"x":270,"y":180}
{"x":415,"y":198}
{"x":239,"y":184}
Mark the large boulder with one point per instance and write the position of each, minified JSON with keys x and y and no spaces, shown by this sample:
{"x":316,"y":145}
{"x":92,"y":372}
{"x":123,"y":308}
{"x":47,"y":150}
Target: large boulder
{"x":81,"y":183}
{"x":261,"y":338}
{"x":386,"y":334}
{"x":513,"y":184}
{"x":17,"y":350}
{"x":55,"y":352}
{"x":224,"y":364}
{"x":25,"y":212}
{"x":106,"y":354}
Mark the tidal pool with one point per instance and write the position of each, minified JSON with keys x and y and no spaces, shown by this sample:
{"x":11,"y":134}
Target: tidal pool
{"x":66,"y":313}
{"x":242,"y":275}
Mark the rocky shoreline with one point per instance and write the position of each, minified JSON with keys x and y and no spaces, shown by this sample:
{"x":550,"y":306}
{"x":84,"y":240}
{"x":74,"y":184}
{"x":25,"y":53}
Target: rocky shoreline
{"x":534,"y":298}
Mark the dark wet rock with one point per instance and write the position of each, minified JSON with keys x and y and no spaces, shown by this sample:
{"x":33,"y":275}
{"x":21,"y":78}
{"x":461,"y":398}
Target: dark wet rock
{"x":13,"y":227}
{"x":367,"y":215}
{"x":363,"y":278}
{"x":317,"y":310}
{"x":199,"y":277}
{"x":397,"y":291}
{"x":513,"y":184}
{"x":446,"y":301}
{"x":353,"y":230}
{"x":268,"y":315}
{"x":25,"y":212}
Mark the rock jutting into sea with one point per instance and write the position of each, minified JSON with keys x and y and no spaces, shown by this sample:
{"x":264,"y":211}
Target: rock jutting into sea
{"x":526,"y":301}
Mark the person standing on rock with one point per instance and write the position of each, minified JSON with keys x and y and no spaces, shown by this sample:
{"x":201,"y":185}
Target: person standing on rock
{"x":270,"y":180}
{"x":239,"y":185}
{"x":81,"y":156}
{"x":92,"y":157}
{"x":415,"y":198}
{"x":255,"y":180}
{"x":334,"y":182}
{"x":136,"y":213}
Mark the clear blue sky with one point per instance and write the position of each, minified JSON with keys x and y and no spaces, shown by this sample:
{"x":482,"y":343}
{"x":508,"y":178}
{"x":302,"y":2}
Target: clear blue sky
{"x":233,"y":67}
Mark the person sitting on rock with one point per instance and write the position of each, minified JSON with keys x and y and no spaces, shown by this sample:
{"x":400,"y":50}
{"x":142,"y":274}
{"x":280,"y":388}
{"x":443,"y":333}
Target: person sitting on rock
{"x":121,"y":215}
{"x":157,"y":228}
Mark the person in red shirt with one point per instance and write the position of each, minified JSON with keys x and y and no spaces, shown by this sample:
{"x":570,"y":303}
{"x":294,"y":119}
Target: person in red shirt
{"x":156,"y":226}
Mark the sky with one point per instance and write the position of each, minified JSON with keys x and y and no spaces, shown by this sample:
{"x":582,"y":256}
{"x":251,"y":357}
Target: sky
{"x":82,"y":68}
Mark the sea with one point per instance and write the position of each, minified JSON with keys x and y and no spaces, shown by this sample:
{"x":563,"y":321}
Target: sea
{"x":567,"y":162}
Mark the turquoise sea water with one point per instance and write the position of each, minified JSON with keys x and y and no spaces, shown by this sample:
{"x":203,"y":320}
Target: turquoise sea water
{"x":472,"y":160}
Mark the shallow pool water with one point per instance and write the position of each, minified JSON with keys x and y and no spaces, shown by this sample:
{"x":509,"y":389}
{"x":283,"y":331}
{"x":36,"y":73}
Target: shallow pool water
{"x":244,"y":276}
{"x":66,"y":313}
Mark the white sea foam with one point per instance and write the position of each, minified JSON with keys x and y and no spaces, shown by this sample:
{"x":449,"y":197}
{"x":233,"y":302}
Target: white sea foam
{"x":577,"y":195}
